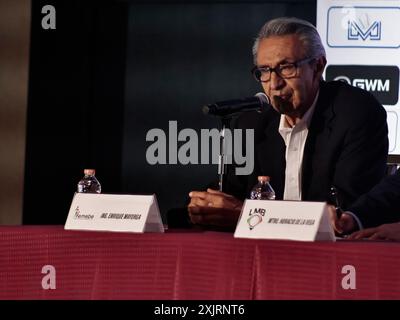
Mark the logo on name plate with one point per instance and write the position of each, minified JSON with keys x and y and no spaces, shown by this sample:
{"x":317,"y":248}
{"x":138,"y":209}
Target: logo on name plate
{"x":77,"y":212}
{"x":80,"y":216}
{"x":255,"y":217}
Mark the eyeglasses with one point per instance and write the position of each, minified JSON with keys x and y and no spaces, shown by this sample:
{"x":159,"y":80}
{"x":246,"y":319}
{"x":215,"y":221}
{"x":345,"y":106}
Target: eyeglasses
{"x":285,"y":70}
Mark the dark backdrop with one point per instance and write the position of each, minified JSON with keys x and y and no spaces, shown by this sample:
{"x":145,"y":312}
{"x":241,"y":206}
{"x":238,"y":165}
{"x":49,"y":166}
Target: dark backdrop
{"x":111,"y":71}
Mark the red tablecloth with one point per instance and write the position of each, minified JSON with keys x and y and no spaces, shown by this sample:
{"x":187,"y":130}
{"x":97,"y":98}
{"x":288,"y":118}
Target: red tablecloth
{"x":189,"y":265}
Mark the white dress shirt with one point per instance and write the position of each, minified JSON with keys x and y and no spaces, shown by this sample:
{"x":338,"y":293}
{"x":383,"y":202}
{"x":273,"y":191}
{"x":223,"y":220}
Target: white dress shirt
{"x":295,"y":140}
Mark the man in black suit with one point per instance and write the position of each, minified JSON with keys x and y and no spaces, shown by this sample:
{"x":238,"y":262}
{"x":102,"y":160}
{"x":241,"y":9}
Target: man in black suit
{"x":317,"y":135}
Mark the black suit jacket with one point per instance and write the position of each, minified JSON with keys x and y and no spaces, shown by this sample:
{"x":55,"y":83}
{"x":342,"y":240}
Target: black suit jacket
{"x":381,"y":204}
{"x":346,"y":147}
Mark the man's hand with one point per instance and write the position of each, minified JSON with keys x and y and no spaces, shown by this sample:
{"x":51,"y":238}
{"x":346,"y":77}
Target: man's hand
{"x":389,"y":231}
{"x":214,"y":208}
{"x":344,"y":225}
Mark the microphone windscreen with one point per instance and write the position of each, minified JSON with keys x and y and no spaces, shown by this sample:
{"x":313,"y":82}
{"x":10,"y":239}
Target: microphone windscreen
{"x":206,"y":109}
{"x":263,"y":97}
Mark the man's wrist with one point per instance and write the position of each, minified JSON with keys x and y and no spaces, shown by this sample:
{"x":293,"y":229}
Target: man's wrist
{"x":357,"y":223}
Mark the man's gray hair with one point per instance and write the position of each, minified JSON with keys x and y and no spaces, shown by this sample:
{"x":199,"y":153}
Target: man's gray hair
{"x":307,"y":33}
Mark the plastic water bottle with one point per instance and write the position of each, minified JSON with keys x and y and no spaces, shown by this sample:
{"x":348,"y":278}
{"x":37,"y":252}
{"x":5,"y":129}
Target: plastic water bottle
{"x":262,"y":190}
{"x":89,"y":183}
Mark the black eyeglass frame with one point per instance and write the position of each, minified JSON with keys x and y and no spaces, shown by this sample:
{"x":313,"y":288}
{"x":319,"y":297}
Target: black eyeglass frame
{"x":294,"y":64}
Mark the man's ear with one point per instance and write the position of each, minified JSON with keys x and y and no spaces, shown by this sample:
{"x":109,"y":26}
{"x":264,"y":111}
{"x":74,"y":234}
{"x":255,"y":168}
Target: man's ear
{"x":320,"y":66}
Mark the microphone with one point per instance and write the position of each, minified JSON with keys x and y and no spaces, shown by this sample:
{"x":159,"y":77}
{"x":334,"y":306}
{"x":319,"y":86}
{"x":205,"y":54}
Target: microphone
{"x":228,"y":107}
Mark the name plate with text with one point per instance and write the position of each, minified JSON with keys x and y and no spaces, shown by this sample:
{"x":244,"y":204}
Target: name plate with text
{"x":285,"y":220}
{"x":112,"y":212}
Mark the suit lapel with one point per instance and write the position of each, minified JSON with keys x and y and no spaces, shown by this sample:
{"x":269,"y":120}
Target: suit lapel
{"x":320,"y":128}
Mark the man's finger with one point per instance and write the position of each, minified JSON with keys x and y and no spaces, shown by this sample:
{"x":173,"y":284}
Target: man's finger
{"x":362,"y":234}
{"x":198,"y":194}
{"x":211,"y":200}
{"x":333,"y":219}
{"x":217,"y":192}
{"x":356,"y":235}
{"x":198,"y":202}
{"x":376,"y":236}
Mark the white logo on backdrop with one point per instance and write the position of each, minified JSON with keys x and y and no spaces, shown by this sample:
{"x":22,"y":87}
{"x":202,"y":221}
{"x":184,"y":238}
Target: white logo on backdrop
{"x":363,"y":27}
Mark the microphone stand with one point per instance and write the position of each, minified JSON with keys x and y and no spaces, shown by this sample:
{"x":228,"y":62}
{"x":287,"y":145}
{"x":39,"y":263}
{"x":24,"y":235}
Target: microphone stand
{"x":222,"y":150}
{"x":225,"y":110}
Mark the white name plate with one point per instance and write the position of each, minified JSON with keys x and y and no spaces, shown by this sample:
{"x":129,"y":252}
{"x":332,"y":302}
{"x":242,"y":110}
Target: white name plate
{"x":111,"y":212}
{"x":287,"y":220}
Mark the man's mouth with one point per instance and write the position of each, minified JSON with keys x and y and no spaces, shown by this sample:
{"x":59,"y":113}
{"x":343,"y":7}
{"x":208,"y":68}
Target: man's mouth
{"x":283,"y":97}
{"x":283,"y":104}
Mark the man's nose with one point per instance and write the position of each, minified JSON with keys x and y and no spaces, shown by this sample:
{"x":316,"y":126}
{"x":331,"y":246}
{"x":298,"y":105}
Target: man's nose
{"x":276,"y":81}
